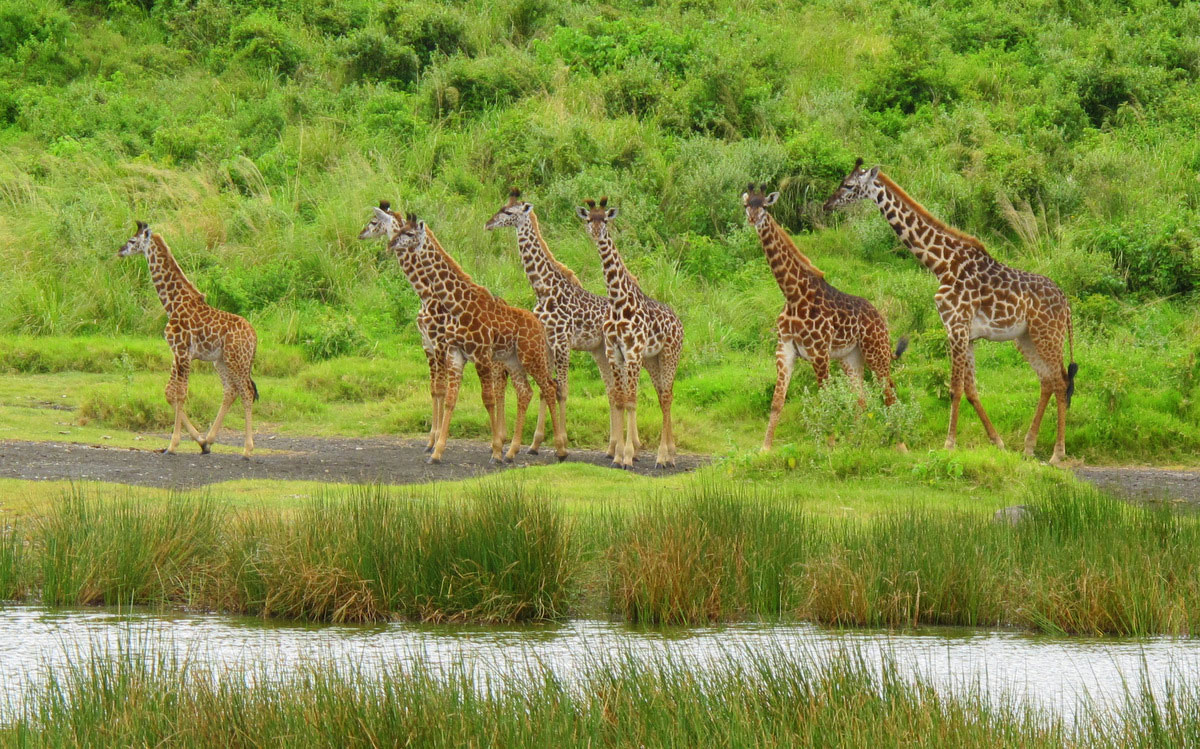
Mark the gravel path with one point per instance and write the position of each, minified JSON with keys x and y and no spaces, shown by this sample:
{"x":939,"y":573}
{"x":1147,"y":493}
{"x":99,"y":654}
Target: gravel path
{"x":349,"y":460}
{"x":1145,"y":484}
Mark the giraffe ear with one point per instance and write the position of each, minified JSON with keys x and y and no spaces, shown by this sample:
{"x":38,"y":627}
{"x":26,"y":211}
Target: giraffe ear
{"x":874,"y":172}
{"x":745,"y":198}
{"x":582,"y":213}
{"x":612,"y":213}
{"x":382,"y":214}
{"x":527,"y":208}
{"x":420,"y":226}
{"x":770,"y":199}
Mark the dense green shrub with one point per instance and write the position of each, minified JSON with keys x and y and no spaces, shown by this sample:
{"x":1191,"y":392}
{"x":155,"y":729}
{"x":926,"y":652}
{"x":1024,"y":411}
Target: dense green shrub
{"x":372,"y":54}
{"x":265,"y":40}
{"x":1159,"y":255}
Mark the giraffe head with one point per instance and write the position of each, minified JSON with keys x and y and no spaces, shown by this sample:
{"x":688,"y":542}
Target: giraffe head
{"x":756,"y":203}
{"x":596,"y":216}
{"x":514,"y":213}
{"x":408,"y":236}
{"x":139,"y":243}
{"x":383,"y":224}
{"x":859,"y":184}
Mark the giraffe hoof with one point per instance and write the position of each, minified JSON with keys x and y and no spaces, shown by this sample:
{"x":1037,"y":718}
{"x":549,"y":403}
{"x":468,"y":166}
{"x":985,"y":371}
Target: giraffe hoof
{"x":508,"y":459}
{"x":493,"y":461}
{"x":205,"y":448}
{"x":617,"y":464}
{"x":433,"y":461}
{"x":659,"y":466}
{"x":532,"y":450}
{"x":166,"y":451}
{"x":429,"y":448}
{"x":562,"y":457}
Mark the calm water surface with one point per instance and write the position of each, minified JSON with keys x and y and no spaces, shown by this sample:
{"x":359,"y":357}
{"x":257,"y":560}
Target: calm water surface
{"x":1055,"y":673}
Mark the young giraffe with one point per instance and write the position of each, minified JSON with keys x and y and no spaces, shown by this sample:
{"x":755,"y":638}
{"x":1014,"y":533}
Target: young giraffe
{"x":573,"y":316}
{"x":637,"y":331}
{"x":433,"y":321}
{"x":196,"y":330}
{"x":979,"y":297}
{"x":491,"y":331}
{"x":439,"y":338}
{"x":818,"y":322}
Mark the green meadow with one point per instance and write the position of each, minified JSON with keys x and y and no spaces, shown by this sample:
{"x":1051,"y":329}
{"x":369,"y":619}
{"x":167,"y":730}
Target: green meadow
{"x":256,"y":135}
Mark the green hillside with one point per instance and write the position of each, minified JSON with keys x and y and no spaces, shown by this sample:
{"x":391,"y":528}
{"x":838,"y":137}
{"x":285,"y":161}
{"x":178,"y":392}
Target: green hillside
{"x":255,"y":136}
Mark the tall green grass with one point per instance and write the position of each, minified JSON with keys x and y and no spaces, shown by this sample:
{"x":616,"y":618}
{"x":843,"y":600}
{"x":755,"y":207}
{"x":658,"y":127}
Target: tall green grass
{"x":1081,"y":562}
{"x":771,"y":701}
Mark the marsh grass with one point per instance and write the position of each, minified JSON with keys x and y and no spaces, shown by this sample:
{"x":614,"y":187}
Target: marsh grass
{"x":764,"y":699}
{"x":1079,"y":563}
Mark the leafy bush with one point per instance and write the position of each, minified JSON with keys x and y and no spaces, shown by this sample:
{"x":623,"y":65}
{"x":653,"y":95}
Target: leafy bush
{"x":910,"y":77}
{"x":263,"y":39}
{"x":1159,"y":255}
{"x":372,"y":54}
{"x":472,"y":86}
{"x":333,"y":335}
{"x":610,"y":45}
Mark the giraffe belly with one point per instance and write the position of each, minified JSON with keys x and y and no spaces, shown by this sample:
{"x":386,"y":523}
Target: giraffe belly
{"x":984,"y":327}
{"x":206,"y":353}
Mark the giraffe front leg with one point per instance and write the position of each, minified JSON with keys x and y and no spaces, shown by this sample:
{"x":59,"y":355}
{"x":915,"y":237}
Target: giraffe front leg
{"x":454,"y":367}
{"x":958,"y":366}
{"x":488,"y":382}
{"x":973,"y":398}
{"x":614,"y":413}
{"x":176,"y":394}
{"x":524,"y":396}
{"x":633,"y":368}
{"x":785,"y":363}
{"x":437,"y":392}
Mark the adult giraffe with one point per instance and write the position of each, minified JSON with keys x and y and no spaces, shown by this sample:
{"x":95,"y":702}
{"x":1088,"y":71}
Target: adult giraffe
{"x":197,"y":330}
{"x":978,"y":297}
{"x":573,"y":316}
{"x":637,"y":331}
{"x":818,"y":322}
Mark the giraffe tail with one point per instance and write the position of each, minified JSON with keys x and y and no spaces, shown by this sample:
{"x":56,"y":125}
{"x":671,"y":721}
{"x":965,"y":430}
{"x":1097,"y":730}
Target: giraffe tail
{"x":901,"y":347}
{"x":1073,"y":367}
{"x":254,"y":387}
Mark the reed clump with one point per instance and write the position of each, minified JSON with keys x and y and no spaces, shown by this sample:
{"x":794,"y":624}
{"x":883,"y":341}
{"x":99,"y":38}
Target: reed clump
{"x":1078,"y":562}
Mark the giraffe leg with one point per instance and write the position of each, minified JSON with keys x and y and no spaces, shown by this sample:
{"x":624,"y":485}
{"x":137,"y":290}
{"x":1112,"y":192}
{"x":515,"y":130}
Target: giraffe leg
{"x":231,"y":392}
{"x":620,"y":373}
{"x":664,"y":385}
{"x":633,"y":368}
{"x":488,"y":394}
{"x":1060,"y":446}
{"x":437,"y":391}
{"x":785,"y":363}
{"x":1036,"y":425}
{"x":177,"y":389}
{"x":249,"y":394}
{"x":614,"y":413}
{"x":539,"y":431}
{"x":1043,"y":351}
{"x":973,"y":398}
{"x":524,"y":396}
{"x":454,"y":369}
{"x":958,"y":365}
{"x":879,"y":361}
{"x":852,"y":365}
{"x":562,"y":359}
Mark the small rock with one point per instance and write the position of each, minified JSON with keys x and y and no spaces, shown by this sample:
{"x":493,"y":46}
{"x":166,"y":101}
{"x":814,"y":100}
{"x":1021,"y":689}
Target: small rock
{"x":1011,"y":515}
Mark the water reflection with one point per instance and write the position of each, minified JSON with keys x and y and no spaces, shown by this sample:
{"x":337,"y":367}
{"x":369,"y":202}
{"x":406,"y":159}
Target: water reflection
{"x":1051,"y":672}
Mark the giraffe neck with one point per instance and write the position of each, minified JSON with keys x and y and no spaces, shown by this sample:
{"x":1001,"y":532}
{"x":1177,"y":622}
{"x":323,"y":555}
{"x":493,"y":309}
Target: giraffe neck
{"x":547,"y":276}
{"x":445,"y":277}
{"x":174,"y":289}
{"x":938,"y":247}
{"x":617,"y":278}
{"x":793,"y":271}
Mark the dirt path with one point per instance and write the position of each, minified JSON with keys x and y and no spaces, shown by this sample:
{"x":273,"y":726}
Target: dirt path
{"x":348,"y":460}
{"x":1145,"y":484}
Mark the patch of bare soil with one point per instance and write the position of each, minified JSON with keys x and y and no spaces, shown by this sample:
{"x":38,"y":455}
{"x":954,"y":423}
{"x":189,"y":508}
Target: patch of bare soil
{"x":349,"y":460}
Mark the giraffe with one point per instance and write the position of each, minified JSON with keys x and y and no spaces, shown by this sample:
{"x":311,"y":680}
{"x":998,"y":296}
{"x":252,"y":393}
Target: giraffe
{"x":438,"y":338}
{"x":637,"y":331}
{"x":491,"y":331}
{"x":818,"y":322}
{"x":573,"y":316}
{"x":979,"y":297}
{"x":196,"y":330}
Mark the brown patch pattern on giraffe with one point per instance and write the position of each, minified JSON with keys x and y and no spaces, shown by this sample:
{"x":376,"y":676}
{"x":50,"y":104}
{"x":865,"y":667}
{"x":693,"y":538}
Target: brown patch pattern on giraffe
{"x":572,"y":315}
{"x":489,"y":331}
{"x":196,"y":330}
{"x":979,"y":297}
{"x":638,"y":331}
{"x":818,"y":322}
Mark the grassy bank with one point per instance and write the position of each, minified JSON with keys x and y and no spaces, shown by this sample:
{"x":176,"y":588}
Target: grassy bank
{"x":769,"y":700}
{"x":1079,"y":563}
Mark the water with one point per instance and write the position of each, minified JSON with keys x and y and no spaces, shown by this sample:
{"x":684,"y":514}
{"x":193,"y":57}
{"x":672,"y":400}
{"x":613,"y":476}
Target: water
{"x":1053,"y":673}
